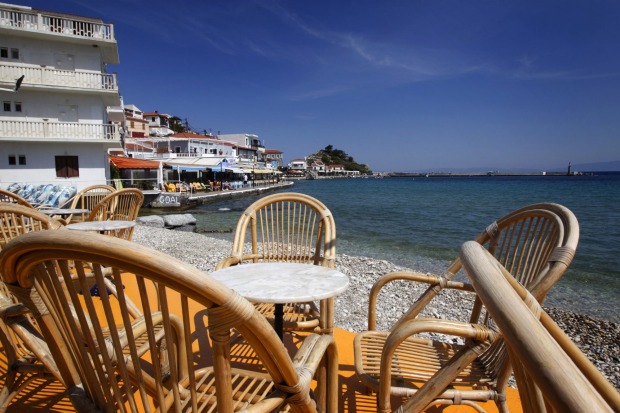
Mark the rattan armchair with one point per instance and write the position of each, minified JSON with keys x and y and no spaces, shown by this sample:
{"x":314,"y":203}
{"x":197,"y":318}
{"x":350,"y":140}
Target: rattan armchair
{"x":536,"y":243}
{"x":27,"y":355}
{"x":11,"y":198}
{"x":121,"y":205}
{"x":87,"y":199}
{"x":201,"y":376}
{"x":27,"y":352}
{"x":288,"y":227}
{"x":552,"y":374}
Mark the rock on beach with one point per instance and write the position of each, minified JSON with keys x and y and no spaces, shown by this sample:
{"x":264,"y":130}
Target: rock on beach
{"x":598,"y":339}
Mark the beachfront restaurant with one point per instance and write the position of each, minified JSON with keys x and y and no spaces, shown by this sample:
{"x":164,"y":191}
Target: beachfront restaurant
{"x":205,"y":170}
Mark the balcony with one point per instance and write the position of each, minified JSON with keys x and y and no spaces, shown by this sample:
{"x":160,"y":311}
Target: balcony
{"x":26,"y":19}
{"x":57,"y":131}
{"x":43,"y":76}
{"x":68,"y":28}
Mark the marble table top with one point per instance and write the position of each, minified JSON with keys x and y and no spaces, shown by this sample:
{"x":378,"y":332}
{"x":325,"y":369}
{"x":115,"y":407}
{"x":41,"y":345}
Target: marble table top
{"x":100,"y":225}
{"x":279,"y":283}
{"x":63,"y":211}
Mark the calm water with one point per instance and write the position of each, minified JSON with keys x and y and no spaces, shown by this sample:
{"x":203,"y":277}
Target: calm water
{"x":420,"y":223}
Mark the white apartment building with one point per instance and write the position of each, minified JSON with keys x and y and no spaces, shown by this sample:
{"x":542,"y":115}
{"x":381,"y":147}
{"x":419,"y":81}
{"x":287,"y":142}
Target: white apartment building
{"x":59,"y":125}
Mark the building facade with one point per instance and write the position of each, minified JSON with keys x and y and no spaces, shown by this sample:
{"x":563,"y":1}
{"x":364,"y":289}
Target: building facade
{"x":61,"y":109}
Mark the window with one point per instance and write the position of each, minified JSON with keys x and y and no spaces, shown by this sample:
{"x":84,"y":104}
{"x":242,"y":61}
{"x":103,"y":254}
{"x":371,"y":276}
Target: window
{"x":4,"y":53}
{"x":67,"y":167}
{"x":12,"y":160}
{"x":22,"y":159}
{"x":18,"y":106}
{"x":7,"y":106}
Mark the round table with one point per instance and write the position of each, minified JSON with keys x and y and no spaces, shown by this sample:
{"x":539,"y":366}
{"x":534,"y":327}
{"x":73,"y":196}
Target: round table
{"x":280,"y":283}
{"x":101,"y":225}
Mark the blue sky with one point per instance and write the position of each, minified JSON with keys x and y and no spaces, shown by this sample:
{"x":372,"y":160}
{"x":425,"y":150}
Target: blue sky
{"x":399,"y":85}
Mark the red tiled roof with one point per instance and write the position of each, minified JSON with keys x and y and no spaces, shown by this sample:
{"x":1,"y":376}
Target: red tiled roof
{"x":163,"y":115}
{"x":190,"y":135}
{"x":122,"y":162}
{"x":272,"y":151}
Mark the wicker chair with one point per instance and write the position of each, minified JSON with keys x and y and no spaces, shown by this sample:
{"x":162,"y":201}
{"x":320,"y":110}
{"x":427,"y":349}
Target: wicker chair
{"x":27,"y":353}
{"x":27,"y":356}
{"x":552,"y":374}
{"x":87,"y":199}
{"x":11,"y":198}
{"x":201,"y":376}
{"x":121,"y":205}
{"x":536,"y":243}
{"x":288,"y":227}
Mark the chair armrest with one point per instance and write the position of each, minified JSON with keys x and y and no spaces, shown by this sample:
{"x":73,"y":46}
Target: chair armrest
{"x":227,"y":262}
{"x":479,"y":338}
{"x":316,"y":349}
{"x":230,"y":261}
{"x":431,"y":279}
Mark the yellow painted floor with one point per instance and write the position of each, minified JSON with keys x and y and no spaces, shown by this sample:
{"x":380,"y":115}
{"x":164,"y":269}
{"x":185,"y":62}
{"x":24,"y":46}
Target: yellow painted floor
{"x":49,"y":396}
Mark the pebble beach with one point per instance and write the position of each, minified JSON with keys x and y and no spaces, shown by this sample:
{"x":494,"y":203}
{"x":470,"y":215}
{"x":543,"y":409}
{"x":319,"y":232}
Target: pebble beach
{"x":598,"y":339}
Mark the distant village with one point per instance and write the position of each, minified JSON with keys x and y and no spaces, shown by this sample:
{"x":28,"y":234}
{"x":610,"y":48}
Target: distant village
{"x":64,"y":121}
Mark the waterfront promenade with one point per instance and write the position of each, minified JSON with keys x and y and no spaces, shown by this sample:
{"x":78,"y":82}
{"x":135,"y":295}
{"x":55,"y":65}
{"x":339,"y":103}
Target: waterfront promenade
{"x":188,"y":199}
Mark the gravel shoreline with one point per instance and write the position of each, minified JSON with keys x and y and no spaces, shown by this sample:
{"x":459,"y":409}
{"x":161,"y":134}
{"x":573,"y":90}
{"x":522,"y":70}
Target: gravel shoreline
{"x":598,"y":339}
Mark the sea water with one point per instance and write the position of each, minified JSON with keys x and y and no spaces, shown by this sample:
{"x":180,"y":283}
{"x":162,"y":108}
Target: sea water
{"x":421,"y":222}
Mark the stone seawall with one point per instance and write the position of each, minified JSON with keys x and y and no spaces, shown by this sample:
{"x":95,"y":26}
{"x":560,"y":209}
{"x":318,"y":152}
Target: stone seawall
{"x":183,"y":199}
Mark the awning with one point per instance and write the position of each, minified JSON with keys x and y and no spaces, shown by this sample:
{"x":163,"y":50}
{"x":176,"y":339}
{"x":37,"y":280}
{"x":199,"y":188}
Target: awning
{"x":188,"y":168}
{"x":197,"y":163}
{"x":236,"y":170}
{"x":123,"y":162}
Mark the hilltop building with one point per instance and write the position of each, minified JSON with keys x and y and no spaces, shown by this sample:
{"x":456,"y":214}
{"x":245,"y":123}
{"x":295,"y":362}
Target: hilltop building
{"x":62,"y":111}
{"x":135,"y":124}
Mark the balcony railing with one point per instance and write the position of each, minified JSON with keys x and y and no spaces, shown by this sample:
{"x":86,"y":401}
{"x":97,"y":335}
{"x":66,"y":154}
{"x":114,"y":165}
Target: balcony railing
{"x":57,"y":131}
{"x":54,"y":77}
{"x":40,"y":22}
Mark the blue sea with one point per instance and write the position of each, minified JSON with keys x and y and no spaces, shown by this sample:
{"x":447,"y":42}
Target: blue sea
{"x":421,"y":222}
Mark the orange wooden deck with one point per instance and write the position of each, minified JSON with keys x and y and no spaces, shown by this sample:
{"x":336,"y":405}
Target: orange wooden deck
{"x":49,"y":397}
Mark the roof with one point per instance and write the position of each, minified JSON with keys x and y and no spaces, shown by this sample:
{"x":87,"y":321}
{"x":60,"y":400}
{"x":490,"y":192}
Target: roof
{"x":191,"y":135}
{"x":123,"y":162}
{"x":163,"y":115}
{"x":272,"y":151}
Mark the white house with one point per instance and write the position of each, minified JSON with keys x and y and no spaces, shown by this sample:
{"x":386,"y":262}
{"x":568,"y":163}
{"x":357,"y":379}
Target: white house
{"x":297,"y":167}
{"x":59,"y":124}
{"x":246,"y":140}
{"x":159,"y":123}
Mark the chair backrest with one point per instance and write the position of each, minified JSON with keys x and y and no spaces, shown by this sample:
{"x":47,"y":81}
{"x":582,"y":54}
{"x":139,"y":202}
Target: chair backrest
{"x":289,"y":227}
{"x":18,"y":219}
{"x":550,"y":370}
{"x":58,"y":267}
{"x":11,"y":198}
{"x":121,"y":205}
{"x":19,"y":335}
{"x":89,"y":197}
{"x":536,"y":243}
